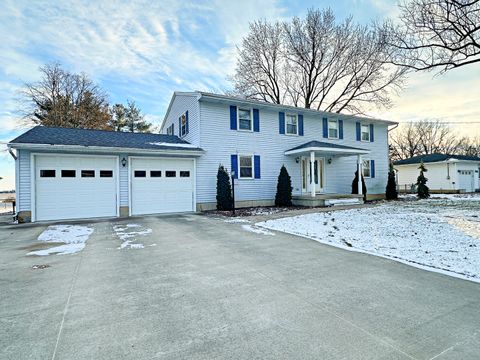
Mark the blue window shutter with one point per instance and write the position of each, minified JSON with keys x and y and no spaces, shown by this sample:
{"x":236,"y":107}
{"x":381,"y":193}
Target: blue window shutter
{"x":186,"y":126}
{"x":300,"y":124}
{"x":256,"y":120}
{"x":359,"y":132}
{"x":371,"y":133}
{"x":180,"y":126}
{"x":256,"y":166}
{"x":233,"y":117}
{"x":281,"y":122}
{"x":340,"y":129}
{"x":234,"y":165}
{"x":372,"y":168}
{"x":325,"y":127}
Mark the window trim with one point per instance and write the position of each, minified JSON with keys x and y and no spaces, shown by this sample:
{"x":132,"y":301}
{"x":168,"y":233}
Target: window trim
{"x":361,"y":132}
{"x":337,"y":128}
{"x":286,"y":125}
{"x":369,"y":161}
{"x":238,"y":119}
{"x":180,"y":131}
{"x":251,"y":156}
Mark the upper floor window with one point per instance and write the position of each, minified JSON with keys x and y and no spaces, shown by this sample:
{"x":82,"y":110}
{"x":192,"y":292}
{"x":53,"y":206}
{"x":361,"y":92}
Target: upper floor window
{"x":365,"y":133}
{"x":245,"y":119}
{"x":183,"y":125}
{"x":291,"y":123}
{"x":245,"y":167}
{"x":366,"y":168}
{"x":171,"y":130}
{"x":332,"y":129}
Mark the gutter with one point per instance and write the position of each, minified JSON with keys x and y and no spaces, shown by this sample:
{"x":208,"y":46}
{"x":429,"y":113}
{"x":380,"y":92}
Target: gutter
{"x":12,"y":153}
{"x":103,"y":149}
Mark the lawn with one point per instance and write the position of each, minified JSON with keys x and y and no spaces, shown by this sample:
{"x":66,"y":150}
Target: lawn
{"x":440,"y":234}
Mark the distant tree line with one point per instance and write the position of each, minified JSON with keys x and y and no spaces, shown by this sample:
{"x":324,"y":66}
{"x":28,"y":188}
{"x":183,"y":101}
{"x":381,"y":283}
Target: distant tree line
{"x":429,"y":137}
{"x":64,"y":99}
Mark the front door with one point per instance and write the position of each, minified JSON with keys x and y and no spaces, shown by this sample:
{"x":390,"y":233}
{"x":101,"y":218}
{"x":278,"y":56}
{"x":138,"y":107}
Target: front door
{"x":318,"y":173}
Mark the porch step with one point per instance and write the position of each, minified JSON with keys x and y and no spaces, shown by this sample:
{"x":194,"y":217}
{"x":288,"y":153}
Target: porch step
{"x":323,"y":200}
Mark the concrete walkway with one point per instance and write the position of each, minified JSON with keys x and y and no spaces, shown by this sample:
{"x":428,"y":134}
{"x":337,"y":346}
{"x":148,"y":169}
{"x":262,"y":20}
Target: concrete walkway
{"x":202,"y":288}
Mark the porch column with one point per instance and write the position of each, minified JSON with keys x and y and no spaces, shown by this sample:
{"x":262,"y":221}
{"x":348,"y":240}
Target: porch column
{"x":312,"y":172}
{"x":359,"y":169}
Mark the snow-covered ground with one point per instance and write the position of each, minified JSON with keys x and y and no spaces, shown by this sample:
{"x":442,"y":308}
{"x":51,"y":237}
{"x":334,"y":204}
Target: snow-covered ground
{"x":129,"y":233}
{"x":74,"y":238}
{"x":439,"y":234}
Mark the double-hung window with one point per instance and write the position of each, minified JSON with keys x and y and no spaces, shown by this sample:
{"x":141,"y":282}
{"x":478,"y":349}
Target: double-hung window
{"x":366,"y":168}
{"x":245,"y":119}
{"x":291,"y":122}
{"x":245,"y":166}
{"x":170,"y":130}
{"x":365,"y":133}
{"x":183,"y":125}
{"x":332,"y":129}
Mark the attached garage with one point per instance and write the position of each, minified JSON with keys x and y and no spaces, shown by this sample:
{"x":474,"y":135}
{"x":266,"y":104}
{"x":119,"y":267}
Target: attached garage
{"x":73,"y":187}
{"x":65,"y":174}
{"x":162,"y":185}
{"x":466,"y":180}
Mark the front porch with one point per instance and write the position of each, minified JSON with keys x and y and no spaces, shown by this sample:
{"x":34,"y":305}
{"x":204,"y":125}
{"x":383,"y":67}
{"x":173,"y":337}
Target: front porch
{"x":313,"y":158}
{"x":327,"y":200}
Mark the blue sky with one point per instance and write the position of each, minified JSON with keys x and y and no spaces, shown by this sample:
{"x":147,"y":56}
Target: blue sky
{"x":144,"y":50}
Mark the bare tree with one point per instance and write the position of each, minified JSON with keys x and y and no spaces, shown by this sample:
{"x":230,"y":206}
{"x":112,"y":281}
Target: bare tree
{"x":428,"y":137}
{"x":64,"y":99}
{"x":441,"y":34}
{"x":316,"y":63}
{"x":260,"y":69}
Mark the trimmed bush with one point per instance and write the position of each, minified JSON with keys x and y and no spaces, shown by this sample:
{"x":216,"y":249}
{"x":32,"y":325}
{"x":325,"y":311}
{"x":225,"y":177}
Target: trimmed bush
{"x":224,"y":190}
{"x":355,"y":186}
{"x":284,"y":188}
{"x":391,"y":192}
{"x":422,"y":189}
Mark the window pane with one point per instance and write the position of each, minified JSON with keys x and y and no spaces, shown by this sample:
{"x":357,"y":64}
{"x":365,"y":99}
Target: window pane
{"x":170,"y":173}
{"x":332,"y":124}
{"x":245,"y":161}
{"x":47,"y":173}
{"x":332,"y":133}
{"x":106,"y":173}
{"x":365,"y":133}
{"x":140,"y":173}
{"x":244,"y":114}
{"x":184,"y":173}
{"x":246,"y":172}
{"x":68,"y":173}
{"x":155,"y":173}
{"x":291,"y":129}
{"x":366,"y":168}
{"x":245,"y":124}
{"x":88,"y":173}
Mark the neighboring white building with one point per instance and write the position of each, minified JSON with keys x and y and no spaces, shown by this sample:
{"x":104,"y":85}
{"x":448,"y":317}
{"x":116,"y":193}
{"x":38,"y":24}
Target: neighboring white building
{"x":74,"y":173}
{"x":445,"y":172}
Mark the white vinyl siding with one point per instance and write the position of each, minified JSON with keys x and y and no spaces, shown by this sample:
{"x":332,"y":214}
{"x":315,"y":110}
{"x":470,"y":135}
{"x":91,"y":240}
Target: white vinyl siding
{"x":219,"y":142}
{"x":181,"y":104}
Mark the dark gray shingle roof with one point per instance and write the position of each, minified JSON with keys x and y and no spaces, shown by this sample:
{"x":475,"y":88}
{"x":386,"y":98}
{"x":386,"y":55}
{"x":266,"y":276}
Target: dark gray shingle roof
{"x":322,"y":144}
{"x":101,"y":138}
{"x":430,"y":158}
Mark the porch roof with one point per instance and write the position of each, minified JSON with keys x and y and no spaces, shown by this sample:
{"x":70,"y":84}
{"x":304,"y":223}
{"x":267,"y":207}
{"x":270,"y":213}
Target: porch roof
{"x":320,"y":146}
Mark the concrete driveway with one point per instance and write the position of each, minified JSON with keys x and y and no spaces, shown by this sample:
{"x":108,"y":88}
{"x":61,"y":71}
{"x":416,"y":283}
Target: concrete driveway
{"x":202,"y":288}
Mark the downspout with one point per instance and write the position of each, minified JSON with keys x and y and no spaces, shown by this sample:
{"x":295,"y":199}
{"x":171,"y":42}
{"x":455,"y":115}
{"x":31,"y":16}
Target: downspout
{"x":12,"y":153}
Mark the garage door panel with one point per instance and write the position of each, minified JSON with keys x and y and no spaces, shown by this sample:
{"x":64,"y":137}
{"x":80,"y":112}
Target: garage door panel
{"x":75,"y":197}
{"x":155,"y":195}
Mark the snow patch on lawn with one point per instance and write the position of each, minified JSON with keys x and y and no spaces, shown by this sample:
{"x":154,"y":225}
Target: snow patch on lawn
{"x":424,"y":234}
{"x":257,"y":230}
{"x":236,"y":220}
{"x":129,"y":236}
{"x":74,"y":237}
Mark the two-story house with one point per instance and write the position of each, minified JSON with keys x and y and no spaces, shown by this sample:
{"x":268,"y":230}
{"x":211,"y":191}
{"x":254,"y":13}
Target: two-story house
{"x":75,"y":173}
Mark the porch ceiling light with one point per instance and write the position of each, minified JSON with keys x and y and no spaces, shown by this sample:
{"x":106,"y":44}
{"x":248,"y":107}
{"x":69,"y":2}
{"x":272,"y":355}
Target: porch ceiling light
{"x":124,"y":162}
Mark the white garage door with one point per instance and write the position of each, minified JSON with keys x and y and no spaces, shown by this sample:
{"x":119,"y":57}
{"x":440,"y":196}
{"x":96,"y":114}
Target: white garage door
{"x":466,"y":180}
{"x":162,"y":185}
{"x":72,"y":187}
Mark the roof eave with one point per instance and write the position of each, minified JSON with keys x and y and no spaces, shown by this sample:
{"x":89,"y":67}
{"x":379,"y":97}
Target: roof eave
{"x":328,"y":150}
{"x":105,"y":149}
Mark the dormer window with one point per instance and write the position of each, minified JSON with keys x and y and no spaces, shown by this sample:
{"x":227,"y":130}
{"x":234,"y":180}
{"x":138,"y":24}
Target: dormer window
{"x":245,"y":119}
